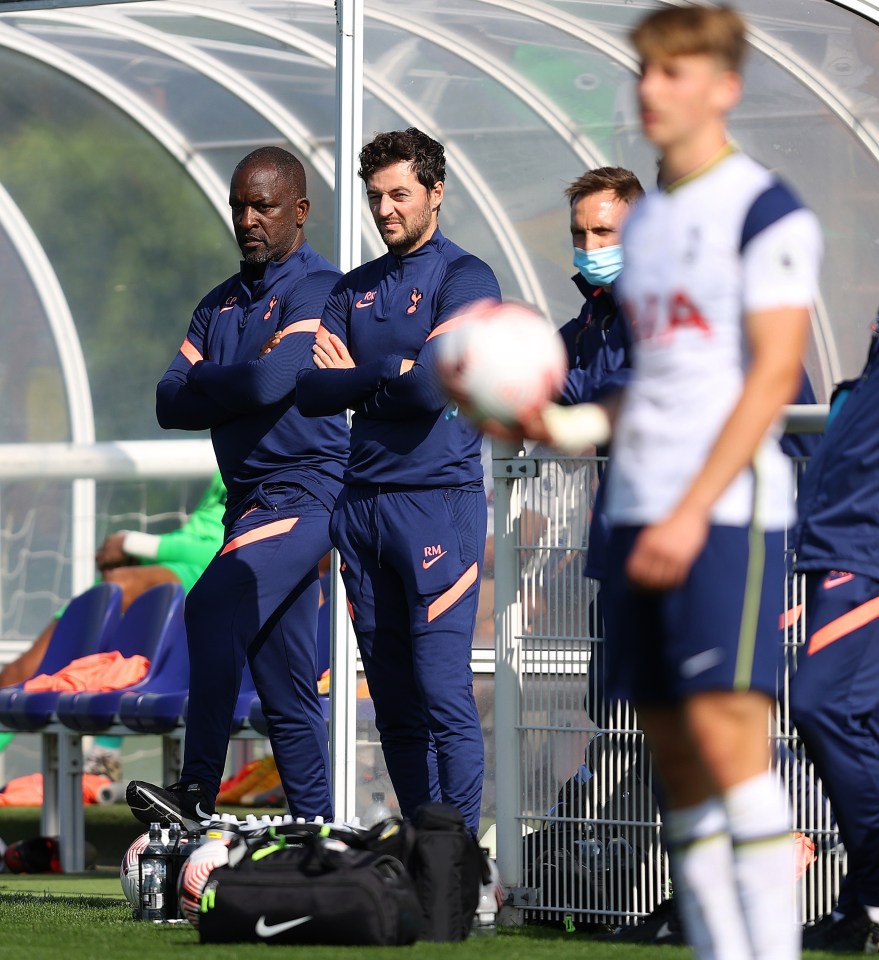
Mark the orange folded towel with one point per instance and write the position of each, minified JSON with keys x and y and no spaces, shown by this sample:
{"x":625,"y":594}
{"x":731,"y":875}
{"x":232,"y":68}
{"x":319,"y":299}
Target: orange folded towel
{"x":96,"y":673}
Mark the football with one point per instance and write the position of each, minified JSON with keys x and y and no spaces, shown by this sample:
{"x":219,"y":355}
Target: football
{"x":194,"y":874}
{"x":501,"y":361}
{"x":128,"y":874}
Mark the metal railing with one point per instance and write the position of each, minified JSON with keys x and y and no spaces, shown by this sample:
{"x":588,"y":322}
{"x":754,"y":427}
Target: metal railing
{"x":579,"y":830}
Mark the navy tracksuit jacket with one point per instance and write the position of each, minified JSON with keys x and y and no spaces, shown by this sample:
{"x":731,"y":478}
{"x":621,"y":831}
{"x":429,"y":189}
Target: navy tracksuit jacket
{"x":598,"y":346}
{"x":835,"y":691}
{"x":258,"y":599}
{"x":410,"y":522}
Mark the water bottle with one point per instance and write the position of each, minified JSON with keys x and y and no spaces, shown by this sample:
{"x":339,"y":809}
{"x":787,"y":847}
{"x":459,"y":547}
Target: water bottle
{"x":377,"y":811}
{"x":154,"y":873}
{"x":175,"y":835}
{"x":484,"y":923}
{"x":175,"y":854}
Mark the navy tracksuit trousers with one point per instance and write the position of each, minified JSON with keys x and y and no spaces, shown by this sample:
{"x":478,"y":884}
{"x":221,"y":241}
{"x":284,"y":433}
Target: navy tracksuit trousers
{"x":258,"y":599}
{"x":411,"y":563}
{"x":835,"y":707}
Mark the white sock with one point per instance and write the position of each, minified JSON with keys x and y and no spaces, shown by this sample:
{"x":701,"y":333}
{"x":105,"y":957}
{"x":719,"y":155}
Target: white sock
{"x":704,"y":881}
{"x":759,"y":823}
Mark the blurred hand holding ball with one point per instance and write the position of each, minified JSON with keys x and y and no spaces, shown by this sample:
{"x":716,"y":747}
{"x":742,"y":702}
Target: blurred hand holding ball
{"x":571,"y":430}
{"x":501,"y":361}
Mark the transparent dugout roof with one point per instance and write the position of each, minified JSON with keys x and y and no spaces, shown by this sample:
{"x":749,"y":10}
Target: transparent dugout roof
{"x":121,"y":124}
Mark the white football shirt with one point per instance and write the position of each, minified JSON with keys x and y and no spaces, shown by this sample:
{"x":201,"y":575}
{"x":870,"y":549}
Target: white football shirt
{"x":698,"y":258}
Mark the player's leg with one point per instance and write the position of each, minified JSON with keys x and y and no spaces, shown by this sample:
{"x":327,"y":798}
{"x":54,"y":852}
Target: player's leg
{"x":136,"y":580}
{"x":380,"y":616}
{"x":696,"y":831}
{"x":133,"y":581}
{"x":283,"y":658}
{"x":642,"y":668}
{"x":225,"y":611}
{"x":27,"y":663}
{"x":439,"y":540}
{"x":217,"y":655}
{"x":835,"y":707}
{"x":730,"y":731}
{"x":727,"y":654}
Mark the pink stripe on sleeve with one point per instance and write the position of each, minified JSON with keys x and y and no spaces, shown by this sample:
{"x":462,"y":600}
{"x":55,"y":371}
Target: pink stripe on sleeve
{"x":190,"y":352}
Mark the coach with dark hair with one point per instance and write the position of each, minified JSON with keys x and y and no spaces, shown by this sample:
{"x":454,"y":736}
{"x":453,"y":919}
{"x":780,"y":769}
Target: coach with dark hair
{"x":410,"y":522}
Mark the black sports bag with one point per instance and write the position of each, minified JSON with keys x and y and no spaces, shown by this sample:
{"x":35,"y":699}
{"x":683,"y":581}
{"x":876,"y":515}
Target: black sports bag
{"x":314,"y":890}
{"x":445,"y":862}
{"x":448,"y":867}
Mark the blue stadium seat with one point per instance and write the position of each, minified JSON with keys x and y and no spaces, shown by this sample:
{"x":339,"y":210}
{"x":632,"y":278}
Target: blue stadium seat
{"x":152,"y":626}
{"x":82,"y":629}
{"x":159,"y":707}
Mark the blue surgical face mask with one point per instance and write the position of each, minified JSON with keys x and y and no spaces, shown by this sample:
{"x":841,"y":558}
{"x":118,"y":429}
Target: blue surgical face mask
{"x":600,"y":267}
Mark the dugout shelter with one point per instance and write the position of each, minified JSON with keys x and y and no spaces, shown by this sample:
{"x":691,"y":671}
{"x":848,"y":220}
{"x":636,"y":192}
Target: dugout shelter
{"x":121,"y":124}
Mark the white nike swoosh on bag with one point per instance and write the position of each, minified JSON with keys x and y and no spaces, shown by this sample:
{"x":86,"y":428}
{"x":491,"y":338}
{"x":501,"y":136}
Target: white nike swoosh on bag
{"x":263,"y":929}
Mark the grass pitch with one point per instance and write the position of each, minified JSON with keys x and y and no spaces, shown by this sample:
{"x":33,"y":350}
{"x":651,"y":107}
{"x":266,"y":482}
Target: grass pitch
{"x":86,"y":917}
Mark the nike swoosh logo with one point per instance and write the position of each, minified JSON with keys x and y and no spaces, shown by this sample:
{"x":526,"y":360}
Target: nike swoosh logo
{"x":200,"y":813}
{"x":427,"y":564}
{"x":360,"y":304}
{"x":836,"y":581}
{"x":224,"y":309}
{"x":693,"y":666}
{"x":263,"y":929}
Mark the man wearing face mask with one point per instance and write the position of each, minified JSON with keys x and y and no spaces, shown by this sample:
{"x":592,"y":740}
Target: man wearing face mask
{"x":597,"y":341}
{"x":597,"y":345}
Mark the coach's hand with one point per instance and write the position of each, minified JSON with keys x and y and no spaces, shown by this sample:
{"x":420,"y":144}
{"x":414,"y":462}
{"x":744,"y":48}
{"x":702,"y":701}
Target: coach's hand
{"x":271,"y":343}
{"x":331,"y":354}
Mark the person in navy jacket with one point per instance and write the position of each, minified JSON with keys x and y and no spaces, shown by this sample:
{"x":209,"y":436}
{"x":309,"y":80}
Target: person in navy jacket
{"x":835,"y":690}
{"x":597,"y":341}
{"x":410,"y":522}
{"x":235,"y":374}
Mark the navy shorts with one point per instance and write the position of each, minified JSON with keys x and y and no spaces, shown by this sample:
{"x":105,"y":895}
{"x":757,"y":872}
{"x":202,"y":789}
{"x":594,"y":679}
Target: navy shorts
{"x":720,"y":630}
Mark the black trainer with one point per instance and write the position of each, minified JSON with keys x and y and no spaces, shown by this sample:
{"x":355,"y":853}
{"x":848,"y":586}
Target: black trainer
{"x":662,"y":927}
{"x":188,"y":804}
{"x":853,"y":933}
